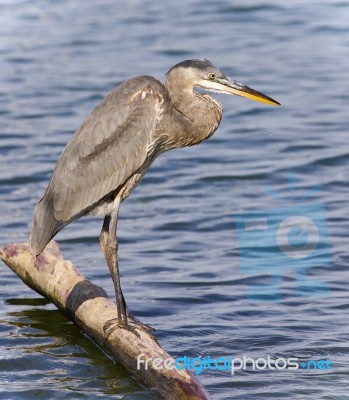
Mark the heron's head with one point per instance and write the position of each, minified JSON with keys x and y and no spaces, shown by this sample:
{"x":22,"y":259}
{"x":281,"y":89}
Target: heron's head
{"x":203,"y":74}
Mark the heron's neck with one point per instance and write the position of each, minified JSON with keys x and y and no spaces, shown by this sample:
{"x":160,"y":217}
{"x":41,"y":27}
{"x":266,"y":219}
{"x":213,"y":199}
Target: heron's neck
{"x":201,"y":115}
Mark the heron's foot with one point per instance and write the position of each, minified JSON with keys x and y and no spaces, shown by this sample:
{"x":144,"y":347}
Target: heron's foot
{"x":111,"y":324}
{"x":145,"y":327}
{"x":136,"y":321}
{"x":114,"y":323}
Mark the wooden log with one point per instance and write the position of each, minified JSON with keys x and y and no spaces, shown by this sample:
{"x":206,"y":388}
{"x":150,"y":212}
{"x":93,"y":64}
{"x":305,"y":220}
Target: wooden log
{"x":88,"y":306}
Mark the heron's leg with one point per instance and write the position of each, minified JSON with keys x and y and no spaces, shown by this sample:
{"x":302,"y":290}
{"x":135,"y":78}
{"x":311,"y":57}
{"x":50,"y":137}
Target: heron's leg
{"x":104,"y":242}
{"x":103,"y":239}
{"x":110,"y":243}
{"x":125,"y":314}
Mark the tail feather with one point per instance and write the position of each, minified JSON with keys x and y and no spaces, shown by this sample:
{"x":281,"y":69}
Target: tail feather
{"x":45,"y":226}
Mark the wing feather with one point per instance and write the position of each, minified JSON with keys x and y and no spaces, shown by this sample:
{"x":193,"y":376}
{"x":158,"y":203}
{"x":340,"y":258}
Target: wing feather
{"x":108,"y":148}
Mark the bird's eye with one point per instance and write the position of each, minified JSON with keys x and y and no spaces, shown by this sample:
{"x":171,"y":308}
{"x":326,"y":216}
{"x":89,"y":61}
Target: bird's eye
{"x":212,"y":76}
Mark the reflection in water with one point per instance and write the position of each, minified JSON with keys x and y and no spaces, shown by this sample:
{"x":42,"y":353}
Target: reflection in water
{"x":49,"y":342}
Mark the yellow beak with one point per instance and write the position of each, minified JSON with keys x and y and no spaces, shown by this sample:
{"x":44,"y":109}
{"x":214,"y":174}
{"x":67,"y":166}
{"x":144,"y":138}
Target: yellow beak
{"x":233,"y":87}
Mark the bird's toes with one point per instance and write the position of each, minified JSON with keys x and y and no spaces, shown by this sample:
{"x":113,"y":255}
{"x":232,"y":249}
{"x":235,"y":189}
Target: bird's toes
{"x":109,"y":324}
{"x":112,"y":324}
{"x":115,"y":323}
{"x":136,"y":321}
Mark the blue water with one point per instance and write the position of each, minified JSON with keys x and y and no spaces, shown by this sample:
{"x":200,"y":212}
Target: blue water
{"x":187,"y":268}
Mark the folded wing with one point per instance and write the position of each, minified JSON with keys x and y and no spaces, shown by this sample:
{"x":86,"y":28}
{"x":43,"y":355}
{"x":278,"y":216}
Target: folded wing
{"x":106,"y":150}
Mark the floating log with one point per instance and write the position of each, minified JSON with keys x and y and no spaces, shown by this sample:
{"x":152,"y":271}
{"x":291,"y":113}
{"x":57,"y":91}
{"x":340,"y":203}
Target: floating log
{"x":89,"y":307}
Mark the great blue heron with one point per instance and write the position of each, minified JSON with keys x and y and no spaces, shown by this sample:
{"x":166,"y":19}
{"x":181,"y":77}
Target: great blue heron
{"x":112,"y":150}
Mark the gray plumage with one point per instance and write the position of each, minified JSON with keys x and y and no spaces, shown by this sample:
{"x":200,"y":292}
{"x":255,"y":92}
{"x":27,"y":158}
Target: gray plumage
{"x":112,"y":150}
{"x":105,"y":152}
